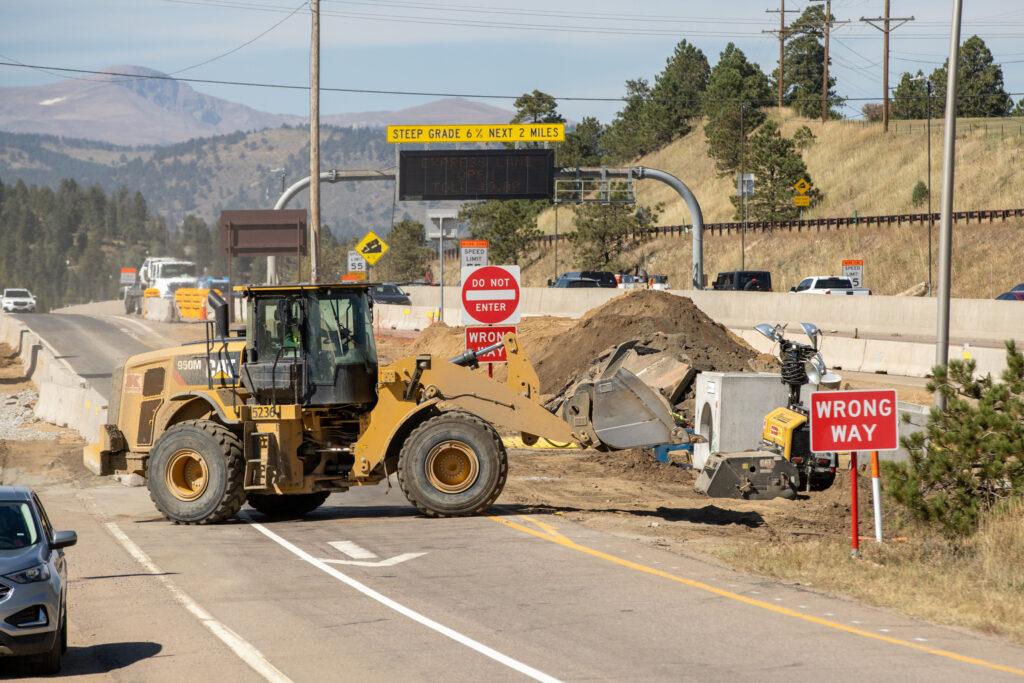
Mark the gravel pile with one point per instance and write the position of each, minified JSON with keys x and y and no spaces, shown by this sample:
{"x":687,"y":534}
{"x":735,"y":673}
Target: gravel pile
{"x":16,"y":413}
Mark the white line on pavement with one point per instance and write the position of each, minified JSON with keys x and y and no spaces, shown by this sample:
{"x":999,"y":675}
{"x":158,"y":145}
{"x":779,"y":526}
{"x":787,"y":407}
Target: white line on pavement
{"x":511,"y":663}
{"x":239,"y":645}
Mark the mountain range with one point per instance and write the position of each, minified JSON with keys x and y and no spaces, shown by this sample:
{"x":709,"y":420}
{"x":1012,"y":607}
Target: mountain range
{"x":142,"y":106}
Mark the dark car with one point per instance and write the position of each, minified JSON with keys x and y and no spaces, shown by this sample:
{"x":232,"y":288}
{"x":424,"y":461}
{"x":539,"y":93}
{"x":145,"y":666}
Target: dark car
{"x":1011,"y":296}
{"x":744,"y":280}
{"x":1018,"y":288}
{"x":387,"y":293}
{"x":603,"y":278}
{"x":581,"y":283}
{"x":33,"y":581}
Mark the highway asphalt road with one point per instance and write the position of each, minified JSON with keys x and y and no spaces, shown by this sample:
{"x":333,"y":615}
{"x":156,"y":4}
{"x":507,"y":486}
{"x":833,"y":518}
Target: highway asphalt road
{"x":364,"y":589}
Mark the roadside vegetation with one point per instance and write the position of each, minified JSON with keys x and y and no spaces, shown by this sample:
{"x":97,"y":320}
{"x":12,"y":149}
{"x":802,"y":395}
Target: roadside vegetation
{"x":954,"y":516}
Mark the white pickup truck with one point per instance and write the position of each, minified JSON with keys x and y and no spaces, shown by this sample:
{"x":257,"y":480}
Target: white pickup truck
{"x":829,"y":284}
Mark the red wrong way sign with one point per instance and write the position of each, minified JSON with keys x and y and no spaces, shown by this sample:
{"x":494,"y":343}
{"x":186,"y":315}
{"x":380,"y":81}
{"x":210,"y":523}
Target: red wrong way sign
{"x":854,"y":421}
{"x":481,"y":337}
{"x":490,"y":295}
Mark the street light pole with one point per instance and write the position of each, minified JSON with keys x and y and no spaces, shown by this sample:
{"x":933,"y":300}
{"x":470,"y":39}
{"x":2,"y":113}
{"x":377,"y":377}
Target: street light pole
{"x":946,"y":227}
{"x":931,"y":217}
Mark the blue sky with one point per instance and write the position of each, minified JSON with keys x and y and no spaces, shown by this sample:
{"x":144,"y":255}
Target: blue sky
{"x":565,"y":47}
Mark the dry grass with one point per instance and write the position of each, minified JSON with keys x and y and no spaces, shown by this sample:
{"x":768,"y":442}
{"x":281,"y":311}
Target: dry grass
{"x":986,"y":257}
{"x":976,"y":584}
{"x":859,"y":168}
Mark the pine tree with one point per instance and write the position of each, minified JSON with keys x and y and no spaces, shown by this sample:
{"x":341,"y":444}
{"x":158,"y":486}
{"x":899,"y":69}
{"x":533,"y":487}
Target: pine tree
{"x":777,"y":166}
{"x":603,"y":232}
{"x":805,"y":60}
{"x":736,"y":91}
{"x":910,"y":99}
{"x":408,"y":256}
{"x":980,"y":89}
{"x":971,"y":454}
{"x":582,"y":146}
{"x":509,"y":226}
{"x":677,"y":92}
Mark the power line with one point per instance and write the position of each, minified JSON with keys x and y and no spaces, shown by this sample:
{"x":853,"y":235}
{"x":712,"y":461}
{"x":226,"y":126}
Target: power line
{"x":413,"y":93}
{"x":187,"y":68}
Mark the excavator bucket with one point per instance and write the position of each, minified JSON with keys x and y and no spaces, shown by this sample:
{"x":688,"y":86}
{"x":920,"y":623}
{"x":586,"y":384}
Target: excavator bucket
{"x":617,"y":410}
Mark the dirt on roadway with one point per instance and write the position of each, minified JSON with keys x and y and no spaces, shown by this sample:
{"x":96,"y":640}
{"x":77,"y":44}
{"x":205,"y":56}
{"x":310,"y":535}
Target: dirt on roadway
{"x":631,"y":493}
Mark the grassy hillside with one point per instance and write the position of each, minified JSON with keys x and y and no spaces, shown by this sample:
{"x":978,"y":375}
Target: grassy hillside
{"x":858,"y":167}
{"x":987,"y":258}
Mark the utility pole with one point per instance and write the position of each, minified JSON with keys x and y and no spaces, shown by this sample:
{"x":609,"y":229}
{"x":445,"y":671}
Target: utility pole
{"x":781,"y":33}
{"x":886,"y":28}
{"x":946,"y":225}
{"x":314,"y":143}
{"x":827,"y":25}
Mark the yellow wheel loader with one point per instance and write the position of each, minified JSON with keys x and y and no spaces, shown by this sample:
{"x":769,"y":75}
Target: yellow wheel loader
{"x":297,"y":409}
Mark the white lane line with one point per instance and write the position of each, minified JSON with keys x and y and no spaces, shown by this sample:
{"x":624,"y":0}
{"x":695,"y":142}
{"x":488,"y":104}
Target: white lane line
{"x":239,"y":645}
{"x":389,"y":562}
{"x":353,"y":550}
{"x":511,"y":663}
{"x":141,"y":325}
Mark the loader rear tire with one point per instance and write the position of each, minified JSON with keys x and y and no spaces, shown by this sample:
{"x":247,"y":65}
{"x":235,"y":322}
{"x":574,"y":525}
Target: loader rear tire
{"x":195,"y":473}
{"x":287,"y":506}
{"x":452,"y":465}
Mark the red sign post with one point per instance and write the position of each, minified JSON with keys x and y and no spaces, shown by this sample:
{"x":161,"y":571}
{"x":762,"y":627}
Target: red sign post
{"x":856,"y":421}
{"x":490,"y":295}
{"x":481,"y":337}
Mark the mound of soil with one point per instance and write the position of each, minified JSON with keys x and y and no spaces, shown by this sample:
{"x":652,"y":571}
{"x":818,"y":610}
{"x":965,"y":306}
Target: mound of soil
{"x":638,"y":464}
{"x":655,"y":318}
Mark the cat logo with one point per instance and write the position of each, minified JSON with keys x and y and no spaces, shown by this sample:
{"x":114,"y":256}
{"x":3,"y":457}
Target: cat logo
{"x":222,"y":368}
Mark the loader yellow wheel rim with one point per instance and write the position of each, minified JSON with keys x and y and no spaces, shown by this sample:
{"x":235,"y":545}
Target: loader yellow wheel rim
{"x":187,"y":475}
{"x":452,"y":467}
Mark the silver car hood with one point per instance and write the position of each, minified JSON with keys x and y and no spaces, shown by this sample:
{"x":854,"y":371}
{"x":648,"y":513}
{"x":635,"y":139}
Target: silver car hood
{"x":16,"y":559}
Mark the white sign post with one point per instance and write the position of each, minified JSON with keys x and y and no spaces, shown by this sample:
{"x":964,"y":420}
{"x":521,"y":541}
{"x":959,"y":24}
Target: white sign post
{"x":854,"y":269}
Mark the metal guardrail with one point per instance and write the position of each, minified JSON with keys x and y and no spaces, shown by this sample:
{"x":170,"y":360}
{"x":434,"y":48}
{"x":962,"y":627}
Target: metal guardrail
{"x":817,"y":224}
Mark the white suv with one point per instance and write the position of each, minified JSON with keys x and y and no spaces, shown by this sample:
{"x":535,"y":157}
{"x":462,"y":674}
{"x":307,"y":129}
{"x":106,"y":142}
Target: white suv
{"x":18,"y":301}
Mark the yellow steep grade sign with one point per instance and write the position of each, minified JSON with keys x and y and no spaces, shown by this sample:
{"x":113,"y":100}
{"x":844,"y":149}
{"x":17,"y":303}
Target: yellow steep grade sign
{"x":372,"y":247}
{"x":497,"y":132}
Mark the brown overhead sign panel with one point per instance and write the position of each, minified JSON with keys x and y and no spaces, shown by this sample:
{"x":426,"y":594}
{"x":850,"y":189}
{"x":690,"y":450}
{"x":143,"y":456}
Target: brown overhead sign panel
{"x":263,"y":232}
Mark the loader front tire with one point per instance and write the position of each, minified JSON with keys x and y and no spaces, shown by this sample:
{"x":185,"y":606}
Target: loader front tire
{"x":287,"y":506}
{"x":452,"y":465}
{"x":195,"y":473}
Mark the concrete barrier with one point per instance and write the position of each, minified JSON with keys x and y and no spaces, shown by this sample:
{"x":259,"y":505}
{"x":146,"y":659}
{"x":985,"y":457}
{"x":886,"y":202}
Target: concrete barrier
{"x":160,"y":310}
{"x":403,"y":318}
{"x":906,"y":322}
{"x":65,"y":399}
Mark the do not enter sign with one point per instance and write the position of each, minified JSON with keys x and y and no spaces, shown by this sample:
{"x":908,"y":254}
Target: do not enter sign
{"x":854,"y":421}
{"x":490,"y":295}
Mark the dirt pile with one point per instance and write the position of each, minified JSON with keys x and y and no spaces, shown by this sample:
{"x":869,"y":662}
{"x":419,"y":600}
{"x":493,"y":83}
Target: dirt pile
{"x":638,"y":464}
{"x":658,"y":320}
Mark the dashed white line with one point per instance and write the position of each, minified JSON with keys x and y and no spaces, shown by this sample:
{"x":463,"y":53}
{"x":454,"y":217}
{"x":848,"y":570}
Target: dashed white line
{"x":237,"y":644}
{"x":499,"y":657}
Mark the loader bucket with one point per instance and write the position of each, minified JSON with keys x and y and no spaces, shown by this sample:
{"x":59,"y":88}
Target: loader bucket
{"x":617,"y":410}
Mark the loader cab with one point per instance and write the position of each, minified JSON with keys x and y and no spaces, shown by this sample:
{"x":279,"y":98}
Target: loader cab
{"x":310,"y":345}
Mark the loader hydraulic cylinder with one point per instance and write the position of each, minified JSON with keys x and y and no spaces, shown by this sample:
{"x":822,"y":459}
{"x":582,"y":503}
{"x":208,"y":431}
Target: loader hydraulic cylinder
{"x":468,"y":358}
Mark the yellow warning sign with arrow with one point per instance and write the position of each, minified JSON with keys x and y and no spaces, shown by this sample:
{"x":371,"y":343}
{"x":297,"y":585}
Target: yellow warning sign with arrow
{"x":372,"y":247}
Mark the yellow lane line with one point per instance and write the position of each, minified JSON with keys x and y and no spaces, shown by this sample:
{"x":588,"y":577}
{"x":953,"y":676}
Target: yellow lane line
{"x":778,"y":609}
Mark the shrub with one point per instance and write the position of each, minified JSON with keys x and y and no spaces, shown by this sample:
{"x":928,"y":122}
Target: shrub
{"x":803,"y":138}
{"x":920,"y":194}
{"x":970,"y":458}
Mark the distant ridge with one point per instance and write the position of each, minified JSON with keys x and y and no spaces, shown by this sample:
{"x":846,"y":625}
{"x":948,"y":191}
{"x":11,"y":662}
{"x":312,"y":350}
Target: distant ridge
{"x":145,"y":111}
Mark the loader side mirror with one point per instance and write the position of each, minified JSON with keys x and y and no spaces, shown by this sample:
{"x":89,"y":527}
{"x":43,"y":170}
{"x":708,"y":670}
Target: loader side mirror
{"x":813,"y":333}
